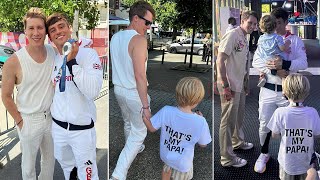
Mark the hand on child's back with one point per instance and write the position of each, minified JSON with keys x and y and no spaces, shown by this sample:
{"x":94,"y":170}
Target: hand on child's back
{"x":199,"y":113}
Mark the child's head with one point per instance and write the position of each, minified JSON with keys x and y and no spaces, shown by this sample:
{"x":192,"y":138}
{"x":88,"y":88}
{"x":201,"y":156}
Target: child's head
{"x":232,"y":21}
{"x":296,"y":87}
{"x":268,"y":24}
{"x":189,"y":91}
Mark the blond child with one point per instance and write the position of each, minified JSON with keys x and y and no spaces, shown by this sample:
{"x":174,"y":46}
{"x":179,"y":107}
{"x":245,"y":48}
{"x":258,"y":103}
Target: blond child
{"x":181,"y":129}
{"x":297,"y":125}
{"x":270,"y":44}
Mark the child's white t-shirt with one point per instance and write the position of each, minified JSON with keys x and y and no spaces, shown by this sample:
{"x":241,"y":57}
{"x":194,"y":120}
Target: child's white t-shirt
{"x":179,"y":133}
{"x":297,"y":126}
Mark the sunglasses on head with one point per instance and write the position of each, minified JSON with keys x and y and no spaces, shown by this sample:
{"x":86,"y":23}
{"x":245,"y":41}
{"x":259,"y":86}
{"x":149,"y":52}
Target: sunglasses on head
{"x":147,"y":22}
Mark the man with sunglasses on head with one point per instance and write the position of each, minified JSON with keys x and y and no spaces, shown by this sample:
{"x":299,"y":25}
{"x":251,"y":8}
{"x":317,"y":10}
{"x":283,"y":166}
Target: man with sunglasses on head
{"x":128,"y":50}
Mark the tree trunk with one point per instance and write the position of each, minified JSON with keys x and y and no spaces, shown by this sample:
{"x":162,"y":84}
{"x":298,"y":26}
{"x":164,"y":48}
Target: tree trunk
{"x":174,"y":33}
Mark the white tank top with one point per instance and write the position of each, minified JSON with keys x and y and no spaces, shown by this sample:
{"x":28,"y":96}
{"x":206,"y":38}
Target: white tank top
{"x":35,"y":92}
{"x":122,"y":66}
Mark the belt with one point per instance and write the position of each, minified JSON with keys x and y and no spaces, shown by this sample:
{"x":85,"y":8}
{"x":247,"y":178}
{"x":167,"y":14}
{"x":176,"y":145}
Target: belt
{"x":73,"y":127}
{"x":273,"y":87}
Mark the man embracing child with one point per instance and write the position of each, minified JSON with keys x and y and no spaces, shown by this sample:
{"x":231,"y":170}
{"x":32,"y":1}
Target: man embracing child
{"x":297,"y":125}
{"x":181,"y":129}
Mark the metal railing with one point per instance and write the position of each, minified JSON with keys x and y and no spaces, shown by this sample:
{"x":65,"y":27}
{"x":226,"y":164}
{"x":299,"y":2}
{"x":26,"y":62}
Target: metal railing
{"x":7,"y":124}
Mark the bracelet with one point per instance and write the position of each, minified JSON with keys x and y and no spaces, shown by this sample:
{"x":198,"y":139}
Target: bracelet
{"x":19,"y":122}
{"x":146,"y":107}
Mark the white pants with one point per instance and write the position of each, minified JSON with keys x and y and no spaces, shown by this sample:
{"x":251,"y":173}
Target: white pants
{"x":269,"y":101}
{"x":76,"y":149}
{"x":35,"y":134}
{"x":134,"y":129}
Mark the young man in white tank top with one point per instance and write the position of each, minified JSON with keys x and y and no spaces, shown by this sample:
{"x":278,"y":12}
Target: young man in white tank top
{"x":129,"y":61}
{"x":30,"y":70}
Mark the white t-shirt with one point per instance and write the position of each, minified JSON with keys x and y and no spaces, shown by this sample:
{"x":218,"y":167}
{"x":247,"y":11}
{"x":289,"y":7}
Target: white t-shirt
{"x":297,"y":126}
{"x":179,"y":133}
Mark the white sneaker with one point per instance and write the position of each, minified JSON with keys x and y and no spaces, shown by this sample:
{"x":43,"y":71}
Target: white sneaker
{"x":236,"y":162}
{"x":141,"y":148}
{"x":244,"y":146}
{"x":261,"y":163}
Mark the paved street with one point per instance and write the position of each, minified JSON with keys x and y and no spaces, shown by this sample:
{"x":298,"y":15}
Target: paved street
{"x":162,"y":82}
{"x":251,"y":126}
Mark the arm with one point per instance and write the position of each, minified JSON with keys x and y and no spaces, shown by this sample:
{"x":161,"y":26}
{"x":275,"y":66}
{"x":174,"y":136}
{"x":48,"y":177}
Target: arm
{"x":148,"y":124}
{"x":138,"y":53}
{"x":300,"y":58}
{"x":9,"y":78}
{"x":222,"y":75}
{"x":275,"y":135}
{"x":88,"y":75}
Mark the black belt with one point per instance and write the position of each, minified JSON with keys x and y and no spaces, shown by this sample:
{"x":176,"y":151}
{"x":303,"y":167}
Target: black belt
{"x":73,"y":127}
{"x":273,"y":87}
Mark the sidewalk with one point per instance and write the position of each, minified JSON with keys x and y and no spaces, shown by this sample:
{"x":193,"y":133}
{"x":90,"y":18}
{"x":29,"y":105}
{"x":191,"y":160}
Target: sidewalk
{"x":251,"y":126}
{"x":162,"y":82}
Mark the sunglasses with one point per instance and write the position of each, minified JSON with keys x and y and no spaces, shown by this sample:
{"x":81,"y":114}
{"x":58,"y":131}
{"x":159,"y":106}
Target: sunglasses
{"x":147,"y":22}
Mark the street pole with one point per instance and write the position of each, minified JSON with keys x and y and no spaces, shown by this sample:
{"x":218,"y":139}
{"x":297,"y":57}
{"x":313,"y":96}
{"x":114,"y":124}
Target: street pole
{"x":214,"y":23}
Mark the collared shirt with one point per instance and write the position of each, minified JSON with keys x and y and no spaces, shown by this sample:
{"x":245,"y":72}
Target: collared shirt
{"x":235,"y":45}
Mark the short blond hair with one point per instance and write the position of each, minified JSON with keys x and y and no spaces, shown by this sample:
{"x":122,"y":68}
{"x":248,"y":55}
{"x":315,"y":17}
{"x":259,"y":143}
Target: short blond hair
{"x":34,"y":12}
{"x":189,"y":91}
{"x":296,"y":87}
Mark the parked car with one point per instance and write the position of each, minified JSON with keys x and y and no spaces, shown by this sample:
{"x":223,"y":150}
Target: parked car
{"x":5,"y":53}
{"x":184,"y":45}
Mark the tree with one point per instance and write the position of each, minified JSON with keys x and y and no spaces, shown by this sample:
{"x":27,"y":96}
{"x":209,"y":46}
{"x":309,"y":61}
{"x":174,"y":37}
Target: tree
{"x":194,"y":14}
{"x":12,"y":11}
{"x":165,"y":11}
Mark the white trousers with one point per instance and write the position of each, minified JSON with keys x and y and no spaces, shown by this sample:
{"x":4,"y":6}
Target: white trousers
{"x":76,"y":149}
{"x":134,"y":129}
{"x":35,"y":134}
{"x":269,"y":101}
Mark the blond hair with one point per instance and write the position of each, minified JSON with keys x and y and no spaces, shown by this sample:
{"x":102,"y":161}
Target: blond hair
{"x":296,"y":87}
{"x":34,"y":12}
{"x":268,"y":24}
{"x":189,"y":91}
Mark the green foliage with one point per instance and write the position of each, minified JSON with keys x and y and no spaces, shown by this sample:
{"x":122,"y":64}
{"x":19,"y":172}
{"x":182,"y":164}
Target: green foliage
{"x":194,"y":14}
{"x":12,"y":11}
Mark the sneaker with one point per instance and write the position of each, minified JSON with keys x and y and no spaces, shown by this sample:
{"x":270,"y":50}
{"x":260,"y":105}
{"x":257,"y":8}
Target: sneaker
{"x":262,"y":82}
{"x":141,"y":148}
{"x":236,"y":162}
{"x":261,"y":163}
{"x":244,"y":146}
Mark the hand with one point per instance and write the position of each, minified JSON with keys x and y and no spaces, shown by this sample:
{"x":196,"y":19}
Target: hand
{"x":276,"y":63}
{"x":287,"y":46}
{"x":227,"y":94}
{"x":199,"y":113}
{"x":146,"y":114}
{"x":20,"y":125}
{"x":282,"y":73}
{"x":247,"y":90}
{"x":166,"y":174}
{"x":74,"y":51}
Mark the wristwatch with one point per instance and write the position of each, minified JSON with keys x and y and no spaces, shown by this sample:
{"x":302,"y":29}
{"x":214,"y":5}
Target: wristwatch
{"x":224,"y":85}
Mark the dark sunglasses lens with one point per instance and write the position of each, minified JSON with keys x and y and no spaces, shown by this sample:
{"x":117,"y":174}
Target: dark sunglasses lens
{"x":148,"y":23}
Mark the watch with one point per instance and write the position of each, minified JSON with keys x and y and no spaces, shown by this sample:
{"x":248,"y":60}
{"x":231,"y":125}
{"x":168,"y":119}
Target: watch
{"x":224,"y":85}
